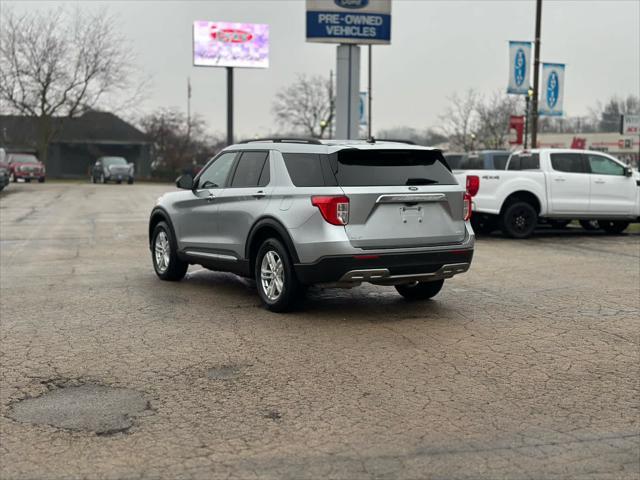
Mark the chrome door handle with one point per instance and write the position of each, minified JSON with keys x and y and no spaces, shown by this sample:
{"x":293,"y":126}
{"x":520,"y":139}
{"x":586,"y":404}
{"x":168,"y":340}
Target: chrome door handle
{"x":211,"y":197}
{"x":559,"y":179}
{"x":259,"y":194}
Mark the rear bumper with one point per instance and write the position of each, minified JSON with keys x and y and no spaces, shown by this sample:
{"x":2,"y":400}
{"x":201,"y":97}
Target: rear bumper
{"x":385,"y":269}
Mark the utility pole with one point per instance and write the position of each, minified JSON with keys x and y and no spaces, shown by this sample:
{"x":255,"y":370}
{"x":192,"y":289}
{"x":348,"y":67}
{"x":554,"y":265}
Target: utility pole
{"x":369,"y":127}
{"x":229,"y":105}
{"x":536,"y":78}
{"x":331,"y":104}
{"x":188,"y":107}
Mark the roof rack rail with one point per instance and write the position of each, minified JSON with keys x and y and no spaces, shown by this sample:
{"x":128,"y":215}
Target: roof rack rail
{"x":394,"y":140}
{"x":311,"y":141}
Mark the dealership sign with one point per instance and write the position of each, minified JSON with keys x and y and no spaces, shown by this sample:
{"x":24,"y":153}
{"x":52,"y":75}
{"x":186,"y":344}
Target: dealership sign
{"x":223,"y":44}
{"x":519,"y":67}
{"x":552,"y":89}
{"x":349,"y":21}
{"x":630,"y":124}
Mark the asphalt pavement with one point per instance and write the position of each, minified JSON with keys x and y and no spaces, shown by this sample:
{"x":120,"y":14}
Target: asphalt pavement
{"x":525,"y":367}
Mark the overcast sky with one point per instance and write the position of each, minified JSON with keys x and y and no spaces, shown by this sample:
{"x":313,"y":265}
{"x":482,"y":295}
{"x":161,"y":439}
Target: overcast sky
{"x":437,"y":48}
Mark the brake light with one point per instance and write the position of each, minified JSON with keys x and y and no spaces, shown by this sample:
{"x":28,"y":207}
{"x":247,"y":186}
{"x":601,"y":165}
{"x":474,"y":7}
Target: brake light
{"x":334,"y":210}
{"x":467,"y":207}
{"x":473,"y":184}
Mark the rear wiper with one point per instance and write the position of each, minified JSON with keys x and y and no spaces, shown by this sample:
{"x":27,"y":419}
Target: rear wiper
{"x":420,"y":181}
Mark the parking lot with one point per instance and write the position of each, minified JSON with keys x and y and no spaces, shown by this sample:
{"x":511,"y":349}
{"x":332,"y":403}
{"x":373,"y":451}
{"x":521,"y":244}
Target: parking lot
{"x":527,"y":366}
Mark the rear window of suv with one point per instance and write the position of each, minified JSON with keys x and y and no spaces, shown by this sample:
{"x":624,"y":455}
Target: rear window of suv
{"x":524,"y":162}
{"x":361,"y":168}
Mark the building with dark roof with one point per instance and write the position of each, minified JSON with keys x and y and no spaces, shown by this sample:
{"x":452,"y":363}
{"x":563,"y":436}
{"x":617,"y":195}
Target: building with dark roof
{"x":76,"y":143}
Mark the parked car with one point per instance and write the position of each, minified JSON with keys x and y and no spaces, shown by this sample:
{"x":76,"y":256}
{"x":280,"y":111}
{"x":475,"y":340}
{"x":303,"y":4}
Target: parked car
{"x":25,"y":166}
{"x":478,"y":160}
{"x":4,"y":170}
{"x":112,"y":169}
{"x":558,"y":186}
{"x":296,"y":213}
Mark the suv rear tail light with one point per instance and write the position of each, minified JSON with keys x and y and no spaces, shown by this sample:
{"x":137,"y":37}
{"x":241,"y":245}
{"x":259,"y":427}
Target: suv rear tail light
{"x":467,"y":207}
{"x":334,"y":210}
{"x":473,"y":185}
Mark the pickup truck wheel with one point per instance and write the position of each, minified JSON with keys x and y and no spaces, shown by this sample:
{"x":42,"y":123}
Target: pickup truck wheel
{"x":590,"y":225}
{"x":420,"y":290}
{"x":164,"y":254}
{"x":276,"y":279}
{"x":613,"y":227}
{"x":519,"y":220}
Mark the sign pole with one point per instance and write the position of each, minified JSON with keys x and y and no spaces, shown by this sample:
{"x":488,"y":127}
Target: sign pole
{"x":526,"y":120}
{"x":369,"y":128}
{"x":536,"y":75}
{"x":229,"y":105}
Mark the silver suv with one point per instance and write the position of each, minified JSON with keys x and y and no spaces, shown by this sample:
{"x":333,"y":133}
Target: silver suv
{"x":294,"y":213}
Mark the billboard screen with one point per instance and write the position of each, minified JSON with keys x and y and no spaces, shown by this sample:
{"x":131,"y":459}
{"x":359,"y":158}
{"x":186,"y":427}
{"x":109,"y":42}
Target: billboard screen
{"x":224,"y":44}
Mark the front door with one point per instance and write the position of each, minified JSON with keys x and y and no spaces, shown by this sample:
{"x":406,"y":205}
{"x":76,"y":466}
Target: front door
{"x":569,"y":184}
{"x":612,"y":192}
{"x":196,"y":222}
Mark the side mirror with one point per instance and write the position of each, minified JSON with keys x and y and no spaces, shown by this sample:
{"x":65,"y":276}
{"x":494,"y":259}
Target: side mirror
{"x":185,"y":182}
{"x":627,"y":171}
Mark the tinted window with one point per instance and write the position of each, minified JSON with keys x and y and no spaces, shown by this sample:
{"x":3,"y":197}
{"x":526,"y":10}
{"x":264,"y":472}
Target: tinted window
{"x":454,"y":160}
{"x":249,"y":169}
{"x":524,"y":162}
{"x":305,"y":169}
{"x":472,"y":163}
{"x":604,"y":166}
{"x":355,"y":168}
{"x":500,"y":160}
{"x":215,"y":175}
{"x":567,"y":162}
{"x":22,"y":158}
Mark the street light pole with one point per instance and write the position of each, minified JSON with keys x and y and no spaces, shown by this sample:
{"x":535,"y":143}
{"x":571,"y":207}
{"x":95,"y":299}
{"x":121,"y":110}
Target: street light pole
{"x":536,"y":72}
{"x":369,"y":128}
{"x":527,"y":99}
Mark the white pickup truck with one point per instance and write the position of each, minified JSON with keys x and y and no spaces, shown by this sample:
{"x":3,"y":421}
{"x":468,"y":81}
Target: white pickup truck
{"x":554,"y":186}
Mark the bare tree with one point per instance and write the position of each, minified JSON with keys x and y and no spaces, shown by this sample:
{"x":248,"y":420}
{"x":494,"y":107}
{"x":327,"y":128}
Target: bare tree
{"x":178,"y":142}
{"x":61,"y":63}
{"x":459,"y":121}
{"x":306,"y":105}
{"x":493,"y":119}
{"x":428,"y":137}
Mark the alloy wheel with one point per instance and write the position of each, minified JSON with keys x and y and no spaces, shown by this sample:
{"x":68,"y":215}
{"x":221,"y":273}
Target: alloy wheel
{"x":272,"y":275}
{"x":162,"y":250}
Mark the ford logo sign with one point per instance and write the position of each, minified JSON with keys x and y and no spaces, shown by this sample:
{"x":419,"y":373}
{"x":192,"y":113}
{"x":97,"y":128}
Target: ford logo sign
{"x":231,"y":35}
{"x":351,"y":3}
{"x":520,"y":67}
{"x":553,"y":88}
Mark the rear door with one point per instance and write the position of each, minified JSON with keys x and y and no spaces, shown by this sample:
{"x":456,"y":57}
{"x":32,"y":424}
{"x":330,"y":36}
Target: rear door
{"x":569,"y":184}
{"x":399,"y":198}
{"x":243,"y":201}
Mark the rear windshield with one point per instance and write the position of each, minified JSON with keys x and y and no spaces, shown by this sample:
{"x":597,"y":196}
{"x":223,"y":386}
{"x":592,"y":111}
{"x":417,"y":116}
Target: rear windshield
{"x":500,"y":160}
{"x":454,"y":160}
{"x":524,"y":162}
{"x":472,"y":163}
{"x":361,"y":168}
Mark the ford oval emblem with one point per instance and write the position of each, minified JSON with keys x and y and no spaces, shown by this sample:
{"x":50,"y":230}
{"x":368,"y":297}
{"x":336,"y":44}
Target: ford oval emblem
{"x":413,"y":189}
{"x":553,"y":88}
{"x":351,"y":3}
{"x":231,"y":35}
{"x":520,"y":67}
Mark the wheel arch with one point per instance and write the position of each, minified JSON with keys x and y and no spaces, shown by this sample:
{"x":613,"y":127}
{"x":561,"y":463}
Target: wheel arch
{"x":159,"y":214}
{"x":262,"y":229}
{"x":524,"y":196}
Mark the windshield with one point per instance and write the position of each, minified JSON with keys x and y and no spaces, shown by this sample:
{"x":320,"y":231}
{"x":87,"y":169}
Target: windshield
{"x":108,"y":161}
{"x":22,"y":158}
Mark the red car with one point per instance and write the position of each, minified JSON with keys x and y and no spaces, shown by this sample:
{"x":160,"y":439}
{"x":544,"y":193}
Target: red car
{"x":25,"y":166}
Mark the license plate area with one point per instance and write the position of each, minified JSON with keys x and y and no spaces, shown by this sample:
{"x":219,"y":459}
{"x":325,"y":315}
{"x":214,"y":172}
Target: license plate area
{"x":411,"y":214}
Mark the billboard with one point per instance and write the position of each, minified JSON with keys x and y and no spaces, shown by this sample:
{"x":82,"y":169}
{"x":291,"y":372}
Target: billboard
{"x":224,"y":44}
{"x":552,"y":90}
{"x":629,"y":124}
{"x":519,"y":67}
{"x":349,"y":21}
